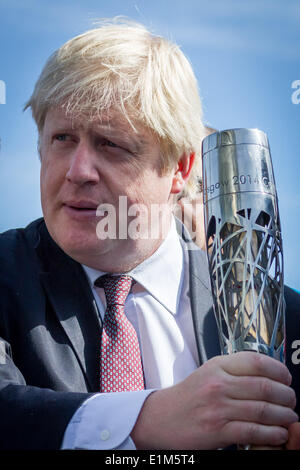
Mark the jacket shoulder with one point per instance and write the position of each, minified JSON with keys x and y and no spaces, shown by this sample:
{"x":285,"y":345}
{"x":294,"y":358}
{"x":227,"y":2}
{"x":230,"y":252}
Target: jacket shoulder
{"x":292,"y":299}
{"x":18,"y":244}
{"x":18,"y":235}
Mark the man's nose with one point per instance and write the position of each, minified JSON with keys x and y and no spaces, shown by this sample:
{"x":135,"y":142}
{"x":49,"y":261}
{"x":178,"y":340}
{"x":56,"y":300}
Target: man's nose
{"x":82,"y":166}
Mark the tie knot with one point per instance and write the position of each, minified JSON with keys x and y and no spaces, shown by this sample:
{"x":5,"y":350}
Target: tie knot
{"x":116,"y":288}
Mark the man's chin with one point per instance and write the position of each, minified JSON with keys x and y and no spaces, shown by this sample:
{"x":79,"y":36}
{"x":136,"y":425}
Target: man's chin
{"x":82,"y":245}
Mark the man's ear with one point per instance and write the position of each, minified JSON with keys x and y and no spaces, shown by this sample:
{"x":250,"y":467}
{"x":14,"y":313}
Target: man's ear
{"x":182,"y":173}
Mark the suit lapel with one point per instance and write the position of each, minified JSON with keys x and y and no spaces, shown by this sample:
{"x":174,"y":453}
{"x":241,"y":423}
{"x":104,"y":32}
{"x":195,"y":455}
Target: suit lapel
{"x":205,"y":326}
{"x":72,"y":301}
{"x":202,"y":307}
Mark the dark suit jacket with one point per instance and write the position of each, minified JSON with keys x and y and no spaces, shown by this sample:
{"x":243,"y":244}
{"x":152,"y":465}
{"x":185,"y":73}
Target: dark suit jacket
{"x":51,"y":334}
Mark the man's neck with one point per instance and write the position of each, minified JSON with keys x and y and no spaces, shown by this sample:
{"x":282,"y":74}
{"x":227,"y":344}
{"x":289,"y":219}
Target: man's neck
{"x":127,"y":256}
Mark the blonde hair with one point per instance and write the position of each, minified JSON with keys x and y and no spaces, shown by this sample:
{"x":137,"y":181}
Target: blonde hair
{"x":147,"y":78}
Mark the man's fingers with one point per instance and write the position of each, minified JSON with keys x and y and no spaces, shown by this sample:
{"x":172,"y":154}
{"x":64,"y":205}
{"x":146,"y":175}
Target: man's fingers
{"x":257,"y":434}
{"x":251,"y":363}
{"x":294,"y":437}
{"x":260,"y":412}
{"x":262,"y":389}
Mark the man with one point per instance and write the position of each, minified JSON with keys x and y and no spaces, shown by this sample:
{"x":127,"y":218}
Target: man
{"x":108,"y":333}
{"x":190,"y":211}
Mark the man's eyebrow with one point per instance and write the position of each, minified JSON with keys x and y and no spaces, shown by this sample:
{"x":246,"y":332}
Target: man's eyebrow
{"x":111,"y":130}
{"x":64,"y":124}
{"x":63,"y":128}
{"x":107,"y":127}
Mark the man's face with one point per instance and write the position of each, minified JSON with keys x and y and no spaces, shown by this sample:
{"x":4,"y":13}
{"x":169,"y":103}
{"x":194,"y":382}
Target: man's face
{"x":84,"y":165}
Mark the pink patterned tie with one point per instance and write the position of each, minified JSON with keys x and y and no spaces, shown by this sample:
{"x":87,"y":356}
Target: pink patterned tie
{"x":121,"y":365}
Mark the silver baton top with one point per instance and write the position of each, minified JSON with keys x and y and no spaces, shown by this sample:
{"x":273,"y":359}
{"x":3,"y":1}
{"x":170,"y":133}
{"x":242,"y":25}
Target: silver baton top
{"x":237,"y":160}
{"x":244,"y":243}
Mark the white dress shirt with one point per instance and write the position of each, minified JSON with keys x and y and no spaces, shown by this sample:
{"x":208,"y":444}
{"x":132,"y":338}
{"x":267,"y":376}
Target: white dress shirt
{"x":158,"y":306}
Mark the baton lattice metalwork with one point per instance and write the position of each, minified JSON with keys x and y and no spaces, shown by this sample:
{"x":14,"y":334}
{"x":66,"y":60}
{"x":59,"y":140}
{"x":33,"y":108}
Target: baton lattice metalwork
{"x":245,"y":260}
{"x":244,"y":243}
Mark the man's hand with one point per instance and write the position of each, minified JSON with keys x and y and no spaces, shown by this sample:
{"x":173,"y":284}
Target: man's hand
{"x":294,"y":437}
{"x":244,"y":398}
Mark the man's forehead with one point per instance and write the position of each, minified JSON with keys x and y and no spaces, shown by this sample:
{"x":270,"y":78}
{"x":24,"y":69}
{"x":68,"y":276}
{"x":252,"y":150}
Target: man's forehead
{"x":109,"y":120}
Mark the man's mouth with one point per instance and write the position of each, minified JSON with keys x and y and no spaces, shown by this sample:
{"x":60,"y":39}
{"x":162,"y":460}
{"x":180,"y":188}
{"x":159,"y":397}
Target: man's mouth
{"x":82,"y":208}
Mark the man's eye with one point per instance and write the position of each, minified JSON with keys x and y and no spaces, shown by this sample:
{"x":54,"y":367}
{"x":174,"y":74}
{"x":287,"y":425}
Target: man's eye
{"x":108,"y":143}
{"x":61,"y":137}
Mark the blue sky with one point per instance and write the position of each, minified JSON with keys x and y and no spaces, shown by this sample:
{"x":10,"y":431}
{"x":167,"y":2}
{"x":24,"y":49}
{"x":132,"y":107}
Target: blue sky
{"x":245,"y":53}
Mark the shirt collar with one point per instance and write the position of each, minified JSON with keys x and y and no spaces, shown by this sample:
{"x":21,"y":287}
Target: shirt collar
{"x":161,"y":274}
